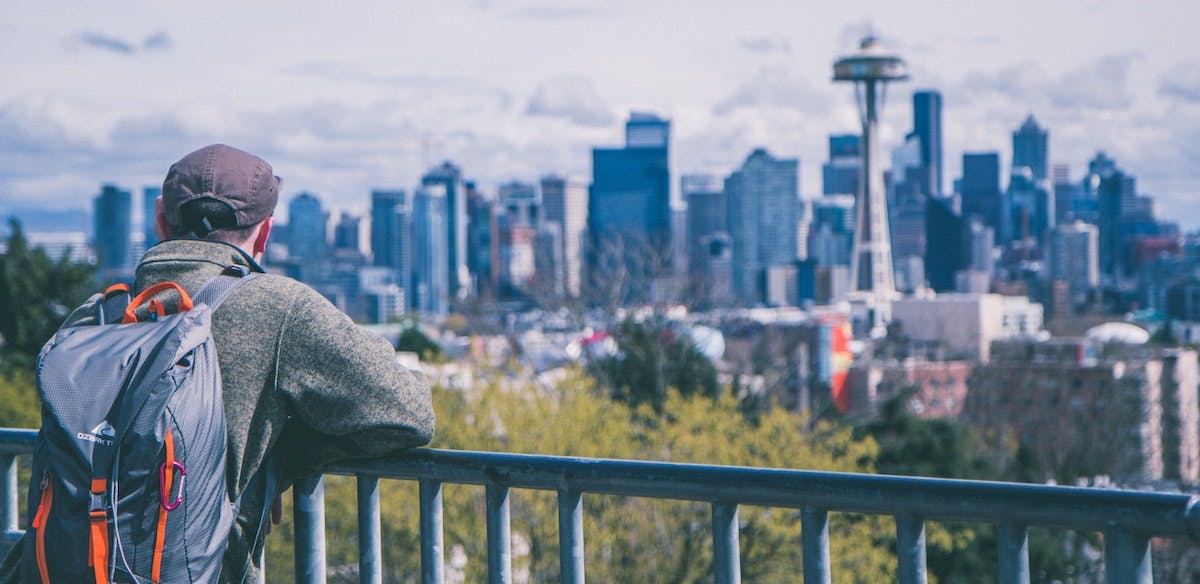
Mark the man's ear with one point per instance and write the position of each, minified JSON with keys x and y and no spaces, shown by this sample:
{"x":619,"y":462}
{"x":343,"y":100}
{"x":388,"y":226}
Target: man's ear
{"x":160,"y":220}
{"x":264,"y":233}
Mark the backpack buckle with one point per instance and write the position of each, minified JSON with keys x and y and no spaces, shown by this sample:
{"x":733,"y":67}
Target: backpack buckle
{"x":96,"y":505}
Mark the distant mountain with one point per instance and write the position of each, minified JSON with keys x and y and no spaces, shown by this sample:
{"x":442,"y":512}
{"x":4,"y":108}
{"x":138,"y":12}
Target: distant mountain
{"x":33,"y":219}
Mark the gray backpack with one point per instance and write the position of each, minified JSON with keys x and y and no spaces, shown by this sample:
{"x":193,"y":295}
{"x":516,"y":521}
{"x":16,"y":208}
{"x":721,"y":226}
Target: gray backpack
{"x":128,"y":479}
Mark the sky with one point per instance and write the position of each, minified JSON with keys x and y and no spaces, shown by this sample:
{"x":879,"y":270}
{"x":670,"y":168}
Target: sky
{"x":343,"y":97}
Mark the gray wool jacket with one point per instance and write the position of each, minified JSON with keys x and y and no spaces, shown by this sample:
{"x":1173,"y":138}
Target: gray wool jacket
{"x":302,"y":384}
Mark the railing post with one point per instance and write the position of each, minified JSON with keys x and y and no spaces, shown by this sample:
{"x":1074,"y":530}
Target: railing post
{"x":308,"y":500}
{"x":910,"y":548}
{"x":570,"y":536}
{"x":9,"y":515}
{"x":431,"y":532}
{"x":726,"y":564}
{"x":1013,"y":540}
{"x":370,"y":545}
{"x":814,"y":535}
{"x":498,"y":537}
{"x":1127,"y":557}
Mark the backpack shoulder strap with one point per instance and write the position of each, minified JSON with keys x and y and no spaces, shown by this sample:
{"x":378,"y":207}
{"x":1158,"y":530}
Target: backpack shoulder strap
{"x":219,"y":288}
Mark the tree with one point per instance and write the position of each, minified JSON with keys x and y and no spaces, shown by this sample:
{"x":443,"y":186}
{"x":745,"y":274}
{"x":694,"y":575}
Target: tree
{"x":412,"y":340}
{"x":628,"y":539}
{"x":651,"y":358}
{"x":36,"y":295}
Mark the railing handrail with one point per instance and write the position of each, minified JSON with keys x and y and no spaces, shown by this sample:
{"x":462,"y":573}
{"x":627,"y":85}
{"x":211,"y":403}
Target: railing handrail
{"x":1128,"y":518}
{"x":1085,"y":508}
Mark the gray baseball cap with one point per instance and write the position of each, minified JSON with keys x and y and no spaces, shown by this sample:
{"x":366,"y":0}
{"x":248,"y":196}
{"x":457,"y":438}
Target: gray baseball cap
{"x":239,"y":179}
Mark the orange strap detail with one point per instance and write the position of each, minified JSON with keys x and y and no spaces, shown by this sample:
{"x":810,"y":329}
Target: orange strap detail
{"x":160,"y":534}
{"x":98,"y":536}
{"x":116,"y":289}
{"x":39,"y":523}
{"x":185,"y":301}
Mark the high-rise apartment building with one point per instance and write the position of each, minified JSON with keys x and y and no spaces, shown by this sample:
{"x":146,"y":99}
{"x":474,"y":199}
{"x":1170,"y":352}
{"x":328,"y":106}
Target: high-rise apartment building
{"x":707,"y":231}
{"x":839,"y":176}
{"x":483,"y":260}
{"x":149,"y":197}
{"x":565,"y":202}
{"x":630,"y":195}
{"x":629,"y":214}
{"x":927,"y":127}
{"x":430,"y":292}
{"x":1031,"y":148}
{"x":946,"y":252}
{"x":345,"y":233}
{"x":763,"y":201}
{"x":113,"y":223}
{"x":980,"y":189}
{"x":1075,"y":258}
{"x":450,"y":178}
{"x":391,"y":234}
{"x":308,"y":231}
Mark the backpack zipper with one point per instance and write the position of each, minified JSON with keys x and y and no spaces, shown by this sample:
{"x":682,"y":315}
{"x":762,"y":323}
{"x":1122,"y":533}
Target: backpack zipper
{"x":39,"y":523}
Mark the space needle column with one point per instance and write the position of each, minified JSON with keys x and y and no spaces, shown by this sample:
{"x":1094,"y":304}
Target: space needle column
{"x":873,"y":282}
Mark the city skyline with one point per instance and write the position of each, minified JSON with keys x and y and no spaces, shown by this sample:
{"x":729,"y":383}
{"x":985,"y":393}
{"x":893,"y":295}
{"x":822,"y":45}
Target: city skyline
{"x":104,"y":96}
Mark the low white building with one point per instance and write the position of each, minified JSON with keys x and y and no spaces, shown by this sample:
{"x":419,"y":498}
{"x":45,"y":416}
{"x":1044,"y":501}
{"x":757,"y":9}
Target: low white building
{"x":967,"y":323}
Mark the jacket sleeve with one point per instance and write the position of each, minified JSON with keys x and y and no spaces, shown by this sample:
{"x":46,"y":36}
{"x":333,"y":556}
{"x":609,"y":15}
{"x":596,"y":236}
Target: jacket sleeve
{"x":346,"y":393}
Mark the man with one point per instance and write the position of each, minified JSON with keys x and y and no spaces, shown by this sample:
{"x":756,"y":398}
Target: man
{"x":303,"y":386}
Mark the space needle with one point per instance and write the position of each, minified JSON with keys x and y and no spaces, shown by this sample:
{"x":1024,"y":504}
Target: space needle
{"x":873,"y":283}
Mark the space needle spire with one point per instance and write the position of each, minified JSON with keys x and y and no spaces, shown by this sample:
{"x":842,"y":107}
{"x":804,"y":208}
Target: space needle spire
{"x":873,"y":280}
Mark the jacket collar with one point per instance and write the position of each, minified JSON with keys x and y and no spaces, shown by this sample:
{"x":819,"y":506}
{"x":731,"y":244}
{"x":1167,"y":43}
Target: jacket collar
{"x":195,"y":250}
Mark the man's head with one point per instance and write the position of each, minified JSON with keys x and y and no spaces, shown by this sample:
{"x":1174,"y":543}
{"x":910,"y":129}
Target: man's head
{"x":219,"y":193}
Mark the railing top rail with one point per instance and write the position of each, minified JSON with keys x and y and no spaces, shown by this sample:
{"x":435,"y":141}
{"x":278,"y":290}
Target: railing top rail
{"x":1159,"y":514}
{"x":1149,"y":513}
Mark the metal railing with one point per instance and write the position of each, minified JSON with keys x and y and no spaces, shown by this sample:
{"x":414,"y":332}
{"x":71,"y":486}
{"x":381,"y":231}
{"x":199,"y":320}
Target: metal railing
{"x":1128,"y":519}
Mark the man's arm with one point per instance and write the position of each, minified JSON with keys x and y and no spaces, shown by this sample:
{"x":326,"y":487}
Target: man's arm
{"x":345,"y":388}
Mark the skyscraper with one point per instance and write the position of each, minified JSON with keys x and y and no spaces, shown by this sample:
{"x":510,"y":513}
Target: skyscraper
{"x":706,"y":227}
{"x":927,"y":127}
{"x":1075,"y":258}
{"x":391,"y":235}
{"x":1117,"y":196}
{"x":1030,"y":206}
{"x":629,"y":213}
{"x":482,"y":251}
{"x":519,"y":208}
{"x":839,"y":176}
{"x":149,"y":196}
{"x":763,"y":200}
{"x":946,"y":253}
{"x":308,"y":232}
{"x":430,"y":291}
{"x":980,"y":186}
{"x":113,"y":223}
{"x":345,"y":233}
{"x":565,"y":202}
{"x":630,"y":194}
{"x":450,"y":178}
{"x":1031,"y":148}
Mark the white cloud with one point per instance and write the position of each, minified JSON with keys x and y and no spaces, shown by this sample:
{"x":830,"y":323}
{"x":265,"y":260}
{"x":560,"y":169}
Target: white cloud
{"x":779,"y":87}
{"x":571,"y":98}
{"x":1183,"y":83}
{"x":765,"y":44}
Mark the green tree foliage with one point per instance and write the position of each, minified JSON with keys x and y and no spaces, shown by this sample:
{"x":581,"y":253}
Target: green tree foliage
{"x":19,"y":403}
{"x":650,"y":359}
{"x":944,"y":448}
{"x":412,"y":340}
{"x":36,"y":294}
{"x":627,"y":539}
